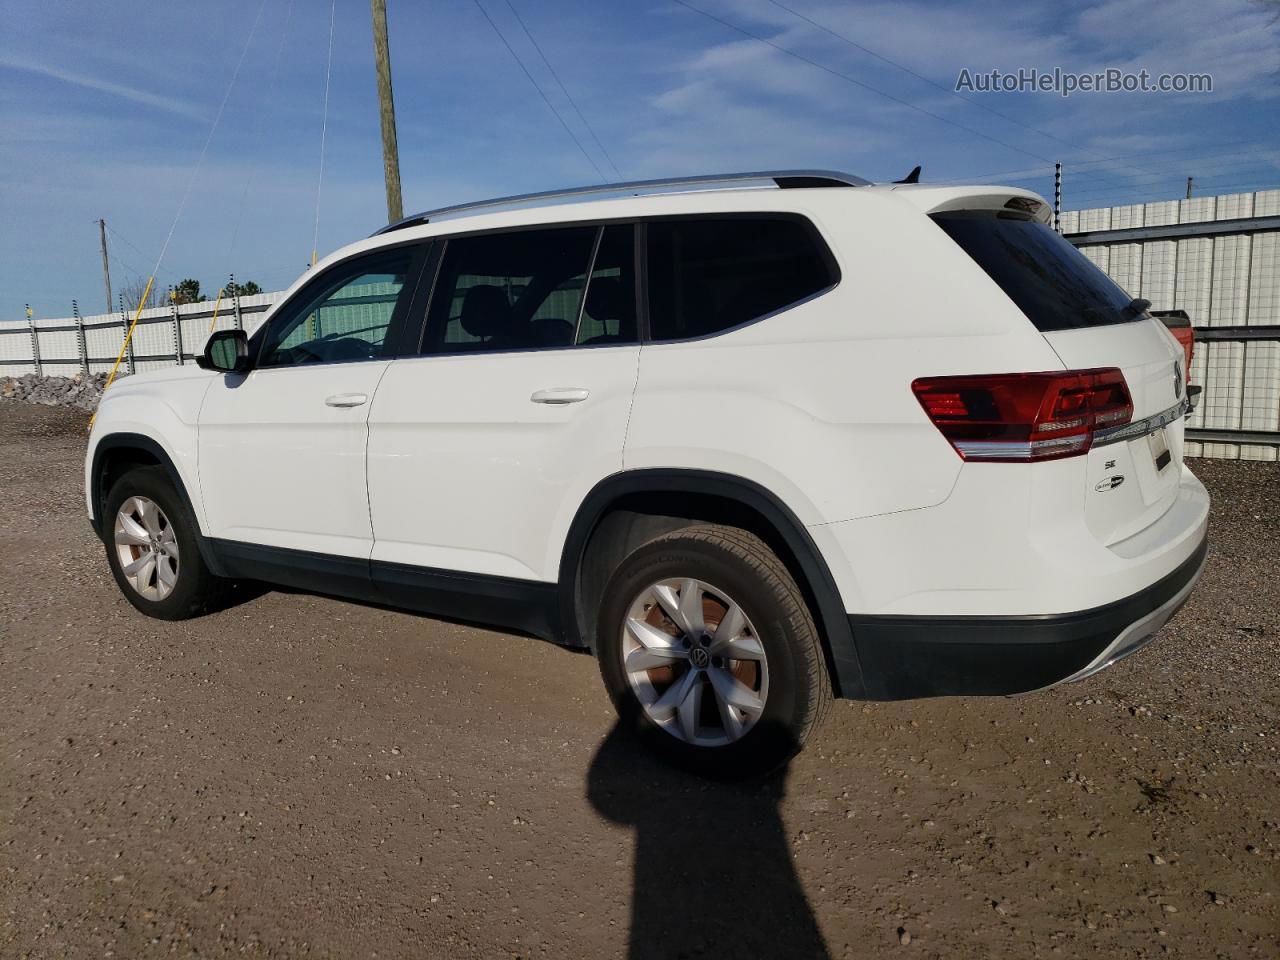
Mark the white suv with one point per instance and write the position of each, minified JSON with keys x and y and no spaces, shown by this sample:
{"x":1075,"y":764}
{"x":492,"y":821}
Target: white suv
{"x":755,"y":440}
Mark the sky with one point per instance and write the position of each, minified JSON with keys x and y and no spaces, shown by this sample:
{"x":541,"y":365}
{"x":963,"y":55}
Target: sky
{"x":106,"y":110}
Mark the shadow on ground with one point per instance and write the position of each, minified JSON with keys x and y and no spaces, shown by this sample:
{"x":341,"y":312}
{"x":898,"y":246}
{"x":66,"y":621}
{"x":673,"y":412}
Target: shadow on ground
{"x":714,"y":874}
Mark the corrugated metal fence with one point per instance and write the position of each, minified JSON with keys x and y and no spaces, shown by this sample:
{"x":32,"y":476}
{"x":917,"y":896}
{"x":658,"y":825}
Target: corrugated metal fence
{"x":165,"y":336}
{"x":1218,"y":258}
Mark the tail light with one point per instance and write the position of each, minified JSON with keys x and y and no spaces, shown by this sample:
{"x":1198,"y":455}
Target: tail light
{"x":1178,"y":323}
{"x":1025,"y":417}
{"x":1187,"y":337}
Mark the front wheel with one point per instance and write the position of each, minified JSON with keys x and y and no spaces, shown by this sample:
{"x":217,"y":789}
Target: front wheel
{"x":707,"y":647}
{"x":152,"y":548}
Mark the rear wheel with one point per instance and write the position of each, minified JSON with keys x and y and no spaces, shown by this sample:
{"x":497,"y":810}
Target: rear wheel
{"x":152,"y":548}
{"x":707,"y":647}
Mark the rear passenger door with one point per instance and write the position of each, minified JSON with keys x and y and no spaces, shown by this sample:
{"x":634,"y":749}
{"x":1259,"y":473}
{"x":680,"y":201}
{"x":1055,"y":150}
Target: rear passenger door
{"x":482,"y":446}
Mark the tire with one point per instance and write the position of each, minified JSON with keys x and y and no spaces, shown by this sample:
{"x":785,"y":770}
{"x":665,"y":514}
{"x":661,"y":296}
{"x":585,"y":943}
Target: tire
{"x":169,"y":536}
{"x":778,"y":654}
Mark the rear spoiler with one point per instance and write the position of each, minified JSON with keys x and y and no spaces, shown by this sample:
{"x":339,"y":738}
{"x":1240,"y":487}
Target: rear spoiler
{"x":932,"y":199}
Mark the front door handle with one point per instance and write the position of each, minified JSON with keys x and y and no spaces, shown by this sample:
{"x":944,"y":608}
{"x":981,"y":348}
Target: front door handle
{"x":561,"y":395}
{"x":346,"y":400}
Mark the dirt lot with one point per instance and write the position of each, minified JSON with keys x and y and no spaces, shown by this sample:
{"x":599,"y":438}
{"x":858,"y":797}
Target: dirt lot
{"x":297,"y":776}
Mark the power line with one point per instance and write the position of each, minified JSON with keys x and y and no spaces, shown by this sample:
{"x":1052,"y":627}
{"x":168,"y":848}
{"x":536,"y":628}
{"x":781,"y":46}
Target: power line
{"x":128,"y":243}
{"x":1045,"y":171}
{"x":324,"y":126}
{"x":133,"y":267}
{"x":572,"y":103}
{"x":1170,"y":166}
{"x":1073,"y":174}
{"x":271,"y":87}
{"x":545,"y":99}
{"x":1157,"y":196}
{"x":905,"y":69}
{"x":921,"y":77}
{"x":858,"y":83}
{"x":1179,"y":176}
{"x":1160,"y":152}
{"x":209,"y":139}
{"x":1165,"y":166}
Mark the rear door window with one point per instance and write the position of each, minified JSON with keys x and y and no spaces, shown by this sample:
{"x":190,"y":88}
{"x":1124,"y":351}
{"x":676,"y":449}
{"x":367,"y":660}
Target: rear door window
{"x":521,"y":290}
{"x":707,"y":275}
{"x":1049,"y":280}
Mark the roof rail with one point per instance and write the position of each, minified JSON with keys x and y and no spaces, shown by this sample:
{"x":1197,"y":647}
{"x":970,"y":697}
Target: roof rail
{"x":784,"y":179}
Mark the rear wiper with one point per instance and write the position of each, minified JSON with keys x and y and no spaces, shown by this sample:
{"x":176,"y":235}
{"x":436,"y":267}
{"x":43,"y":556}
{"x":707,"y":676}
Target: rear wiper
{"x":1136,"y":307}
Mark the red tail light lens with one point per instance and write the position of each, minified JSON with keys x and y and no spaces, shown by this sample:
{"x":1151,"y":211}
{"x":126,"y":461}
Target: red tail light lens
{"x":1187,"y":337}
{"x":1025,"y":417}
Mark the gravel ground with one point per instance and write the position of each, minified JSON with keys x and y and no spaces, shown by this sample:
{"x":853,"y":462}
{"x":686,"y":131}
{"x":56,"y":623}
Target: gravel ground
{"x":78,"y":391}
{"x":296,"y":776}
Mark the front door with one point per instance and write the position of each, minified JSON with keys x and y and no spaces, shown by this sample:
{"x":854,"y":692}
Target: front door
{"x":282,"y":448}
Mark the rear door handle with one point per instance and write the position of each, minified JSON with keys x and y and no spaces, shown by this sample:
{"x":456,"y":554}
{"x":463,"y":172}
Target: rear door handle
{"x":346,"y":400}
{"x":561,"y":395}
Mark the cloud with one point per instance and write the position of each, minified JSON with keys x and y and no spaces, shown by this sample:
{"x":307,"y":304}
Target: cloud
{"x":133,"y":94}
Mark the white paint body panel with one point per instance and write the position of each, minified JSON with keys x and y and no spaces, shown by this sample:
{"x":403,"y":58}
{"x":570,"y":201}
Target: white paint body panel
{"x":281,"y":467}
{"x":1011,"y":540}
{"x":467,"y":473}
{"x":815,"y":402}
{"x":163,"y":405}
{"x":1146,"y":353}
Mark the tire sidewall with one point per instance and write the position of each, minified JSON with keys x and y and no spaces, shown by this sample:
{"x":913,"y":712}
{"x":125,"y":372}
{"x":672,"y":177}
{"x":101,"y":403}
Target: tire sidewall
{"x":777,"y":733}
{"x":152,"y":483}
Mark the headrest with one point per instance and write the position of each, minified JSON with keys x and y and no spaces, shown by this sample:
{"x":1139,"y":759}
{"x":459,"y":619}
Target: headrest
{"x":485,"y":311}
{"x":604,"y":298}
{"x":551,"y":332}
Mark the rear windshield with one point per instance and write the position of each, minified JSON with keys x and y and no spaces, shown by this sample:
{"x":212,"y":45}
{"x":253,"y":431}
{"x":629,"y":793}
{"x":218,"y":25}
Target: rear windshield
{"x":1052,"y":282}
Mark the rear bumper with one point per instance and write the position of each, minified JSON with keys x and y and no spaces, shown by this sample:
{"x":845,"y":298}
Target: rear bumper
{"x":905,"y":657}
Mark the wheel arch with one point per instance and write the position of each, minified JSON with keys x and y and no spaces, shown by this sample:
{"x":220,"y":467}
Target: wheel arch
{"x":627,"y":509}
{"x":116,"y":453}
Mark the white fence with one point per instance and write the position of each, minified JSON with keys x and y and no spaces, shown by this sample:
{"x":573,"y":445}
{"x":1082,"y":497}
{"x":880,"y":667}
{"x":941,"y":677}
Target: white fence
{"x":164,"y":336}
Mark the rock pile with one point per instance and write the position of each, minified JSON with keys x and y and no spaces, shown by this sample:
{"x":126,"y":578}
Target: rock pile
{"x":78,"y":391}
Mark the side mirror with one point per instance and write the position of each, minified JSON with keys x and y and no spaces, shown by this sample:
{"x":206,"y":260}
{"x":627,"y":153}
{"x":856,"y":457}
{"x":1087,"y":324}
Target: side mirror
{"x":227,"y":351}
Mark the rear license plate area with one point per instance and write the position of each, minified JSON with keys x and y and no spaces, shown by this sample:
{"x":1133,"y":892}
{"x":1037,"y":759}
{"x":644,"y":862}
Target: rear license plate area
{"x":1159,"y":445}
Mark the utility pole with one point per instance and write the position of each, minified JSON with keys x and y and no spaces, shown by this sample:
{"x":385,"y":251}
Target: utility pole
{"x":387,"y":112}
{"x":1190,"y":182}
{"x":106,"y":268}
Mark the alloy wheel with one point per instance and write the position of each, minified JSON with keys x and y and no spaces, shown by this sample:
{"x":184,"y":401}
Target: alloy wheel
{"x":695,"y":662}
{"x":147,"y":548}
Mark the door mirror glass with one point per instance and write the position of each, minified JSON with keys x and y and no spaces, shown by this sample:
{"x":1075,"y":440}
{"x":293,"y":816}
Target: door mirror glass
{"x":227,"y":351}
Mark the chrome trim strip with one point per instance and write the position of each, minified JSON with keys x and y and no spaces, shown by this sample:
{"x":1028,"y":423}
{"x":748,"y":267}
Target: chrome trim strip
{"x":1011,"y":449}
{"x":1137,"y":635}
{"x":1140,"y":428}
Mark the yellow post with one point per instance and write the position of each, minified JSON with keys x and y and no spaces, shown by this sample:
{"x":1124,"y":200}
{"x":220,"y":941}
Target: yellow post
{"x":125,"y":346}
{"x":216,"y":303}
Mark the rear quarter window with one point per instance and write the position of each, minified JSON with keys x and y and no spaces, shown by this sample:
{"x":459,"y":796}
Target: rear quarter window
{"x":1053,"y":283}
{"x":707,"y":275}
